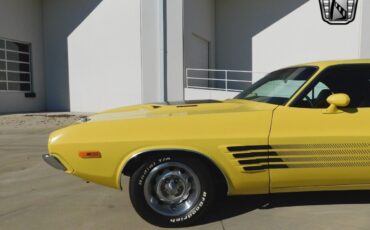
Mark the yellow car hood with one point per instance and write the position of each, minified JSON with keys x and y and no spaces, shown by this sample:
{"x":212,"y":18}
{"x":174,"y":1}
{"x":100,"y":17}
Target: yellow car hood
{"x":180,"y":109}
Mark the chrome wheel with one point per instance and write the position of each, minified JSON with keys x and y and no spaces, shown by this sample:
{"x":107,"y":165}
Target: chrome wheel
{"x":172,"y":189}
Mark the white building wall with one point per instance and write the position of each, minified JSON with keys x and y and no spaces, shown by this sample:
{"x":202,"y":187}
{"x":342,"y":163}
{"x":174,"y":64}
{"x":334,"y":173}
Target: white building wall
{"x":365,"y":27}
{"x":175,"y":50}
{"x":152,"y":50}
{"x":104,"y":53}
{"x":302,"y":36}
{"x":60,"y":19}
{"x":22,"y":20}
{"x":203,"y":94}
{"x":199,"y":25}
{"x":266,"y":35}
{"x":92,"y":54}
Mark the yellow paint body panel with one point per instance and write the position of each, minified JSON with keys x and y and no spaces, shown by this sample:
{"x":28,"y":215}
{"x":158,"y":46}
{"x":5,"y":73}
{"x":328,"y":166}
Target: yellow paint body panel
{"x":124,"y":133}
{"x":339,"y":141}
{"x":306,"y":139}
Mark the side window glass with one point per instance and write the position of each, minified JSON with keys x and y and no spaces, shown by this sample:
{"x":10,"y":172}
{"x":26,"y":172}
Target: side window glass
{"x":350,"y":79}
{"x":315,"y":92}
{"x":365,"y":103}
{"x":316,"y":98}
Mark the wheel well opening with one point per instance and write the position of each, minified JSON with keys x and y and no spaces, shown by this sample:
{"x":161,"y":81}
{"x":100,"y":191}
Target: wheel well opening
{"x":220,"y":180}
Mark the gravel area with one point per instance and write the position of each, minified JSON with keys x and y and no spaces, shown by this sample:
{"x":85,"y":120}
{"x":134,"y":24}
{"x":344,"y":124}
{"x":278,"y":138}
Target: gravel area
{"x":38,"y":120}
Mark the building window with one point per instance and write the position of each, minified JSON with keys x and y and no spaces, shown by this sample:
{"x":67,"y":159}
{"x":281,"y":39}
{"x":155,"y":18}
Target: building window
{"x":15,"y":66}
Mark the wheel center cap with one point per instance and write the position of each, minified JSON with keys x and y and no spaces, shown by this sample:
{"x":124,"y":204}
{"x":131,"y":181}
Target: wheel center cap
{"x":173,"y":188}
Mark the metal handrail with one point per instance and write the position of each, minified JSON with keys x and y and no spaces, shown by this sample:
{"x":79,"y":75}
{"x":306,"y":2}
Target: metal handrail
{"x":226,"y":78}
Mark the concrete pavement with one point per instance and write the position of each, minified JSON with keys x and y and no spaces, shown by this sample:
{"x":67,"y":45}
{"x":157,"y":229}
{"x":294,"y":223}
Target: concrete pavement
{"x":35,"y":196}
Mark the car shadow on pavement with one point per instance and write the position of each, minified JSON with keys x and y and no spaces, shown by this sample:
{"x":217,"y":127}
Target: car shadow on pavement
{"x":229,"y":207}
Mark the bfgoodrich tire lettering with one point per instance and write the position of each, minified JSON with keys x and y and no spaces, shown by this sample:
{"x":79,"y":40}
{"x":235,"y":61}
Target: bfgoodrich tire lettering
{"x":172,"y":191}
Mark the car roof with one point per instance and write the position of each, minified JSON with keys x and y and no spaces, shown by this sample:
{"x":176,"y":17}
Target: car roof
{"x":323,"y":64}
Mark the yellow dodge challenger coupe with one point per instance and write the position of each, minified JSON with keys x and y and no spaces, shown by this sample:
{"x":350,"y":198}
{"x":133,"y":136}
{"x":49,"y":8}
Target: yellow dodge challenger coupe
{"x":302,"y":128}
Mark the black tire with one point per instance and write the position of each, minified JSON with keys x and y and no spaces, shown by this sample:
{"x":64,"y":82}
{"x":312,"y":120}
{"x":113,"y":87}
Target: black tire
{"x":139,"y":182}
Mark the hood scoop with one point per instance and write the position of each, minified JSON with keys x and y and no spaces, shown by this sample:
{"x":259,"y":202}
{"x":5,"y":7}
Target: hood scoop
{"x":185,"y":106}
{"x":177,"y":106}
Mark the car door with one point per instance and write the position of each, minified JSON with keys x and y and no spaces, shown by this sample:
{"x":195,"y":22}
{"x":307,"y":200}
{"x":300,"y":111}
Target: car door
{"x":311,"y":148}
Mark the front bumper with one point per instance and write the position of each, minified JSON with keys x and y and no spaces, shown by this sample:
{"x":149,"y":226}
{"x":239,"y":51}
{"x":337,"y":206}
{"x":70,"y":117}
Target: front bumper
{"x":53,"y":162}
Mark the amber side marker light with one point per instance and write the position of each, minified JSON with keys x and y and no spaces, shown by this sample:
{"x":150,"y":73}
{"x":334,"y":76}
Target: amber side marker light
{"x":90,"y":155}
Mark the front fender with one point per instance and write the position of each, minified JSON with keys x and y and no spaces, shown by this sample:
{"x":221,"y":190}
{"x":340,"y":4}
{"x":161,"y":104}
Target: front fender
{"x":159,"y":149}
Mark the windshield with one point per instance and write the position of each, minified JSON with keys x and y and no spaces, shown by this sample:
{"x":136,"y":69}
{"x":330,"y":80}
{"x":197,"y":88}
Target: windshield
{"x":279,"y":86}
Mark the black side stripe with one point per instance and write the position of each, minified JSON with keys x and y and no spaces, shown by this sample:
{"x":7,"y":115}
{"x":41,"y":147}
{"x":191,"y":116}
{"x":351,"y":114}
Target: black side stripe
{"x":250,"y":155}
{"x":260,"y":161}
{"x":264,"y":167}
{"x":264,"y":157}
{"x":248,"y":148}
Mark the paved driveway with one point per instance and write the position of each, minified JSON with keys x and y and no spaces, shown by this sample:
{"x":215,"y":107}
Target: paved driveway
{"x":35,"y":196}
